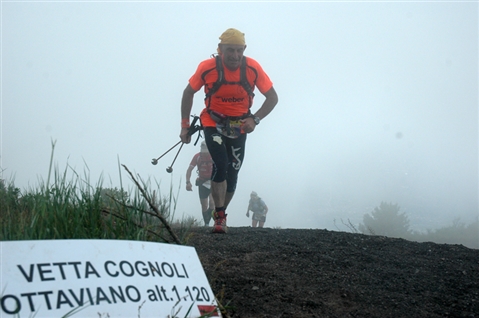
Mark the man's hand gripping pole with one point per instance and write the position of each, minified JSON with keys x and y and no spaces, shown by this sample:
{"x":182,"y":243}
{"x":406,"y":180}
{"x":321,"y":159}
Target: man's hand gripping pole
{"x":194,"y":128}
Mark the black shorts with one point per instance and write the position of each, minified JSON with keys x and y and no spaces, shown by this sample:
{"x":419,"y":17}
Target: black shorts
{"x":259,"y":217}
{"x":203,"y":191}
{"x":227,"y":154}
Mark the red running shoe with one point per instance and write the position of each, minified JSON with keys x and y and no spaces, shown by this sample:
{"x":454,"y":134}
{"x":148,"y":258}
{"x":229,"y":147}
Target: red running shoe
{"x":220,"y":222}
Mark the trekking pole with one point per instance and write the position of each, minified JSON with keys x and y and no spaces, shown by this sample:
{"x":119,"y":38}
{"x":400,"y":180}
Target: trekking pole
{"x":154,"y":161}
{"x":170,"y":168}
{"x":191,"y":131}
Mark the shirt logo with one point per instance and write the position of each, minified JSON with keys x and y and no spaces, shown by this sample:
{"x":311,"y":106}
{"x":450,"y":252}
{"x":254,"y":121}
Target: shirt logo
{"x":232,"y":99}
{"x":217,"y":139}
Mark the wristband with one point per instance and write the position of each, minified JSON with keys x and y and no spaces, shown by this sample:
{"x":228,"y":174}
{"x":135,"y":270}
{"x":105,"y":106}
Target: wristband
{"x":185,"y":123}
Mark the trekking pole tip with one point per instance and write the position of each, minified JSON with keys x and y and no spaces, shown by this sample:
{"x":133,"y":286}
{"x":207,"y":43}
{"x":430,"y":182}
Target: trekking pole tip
{"x":169,"y":169}
{"x":154,"y":161}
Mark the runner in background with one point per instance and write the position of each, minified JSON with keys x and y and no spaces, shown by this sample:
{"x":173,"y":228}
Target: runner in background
{"x":204,"y":164}
{"x":259,"y":208}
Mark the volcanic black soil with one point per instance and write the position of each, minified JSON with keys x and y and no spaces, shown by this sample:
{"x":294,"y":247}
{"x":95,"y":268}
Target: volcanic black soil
{"x":318,"y":273}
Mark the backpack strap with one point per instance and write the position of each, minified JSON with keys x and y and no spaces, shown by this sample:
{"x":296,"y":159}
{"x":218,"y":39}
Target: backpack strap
{"x":221,"y":80}
{"x":244,"y":81}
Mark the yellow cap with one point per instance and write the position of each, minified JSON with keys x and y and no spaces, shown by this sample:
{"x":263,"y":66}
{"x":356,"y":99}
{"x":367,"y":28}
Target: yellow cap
{"x":232,"y":36}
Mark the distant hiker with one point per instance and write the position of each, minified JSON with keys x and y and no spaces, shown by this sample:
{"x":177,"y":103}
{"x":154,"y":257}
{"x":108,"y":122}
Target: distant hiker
{"x":259,"y":208}
{"x":229,"y":80}
{"x":204,"y":164}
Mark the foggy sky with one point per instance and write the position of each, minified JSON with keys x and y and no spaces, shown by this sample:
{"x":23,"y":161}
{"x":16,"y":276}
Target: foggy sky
{"x":377,"y":102}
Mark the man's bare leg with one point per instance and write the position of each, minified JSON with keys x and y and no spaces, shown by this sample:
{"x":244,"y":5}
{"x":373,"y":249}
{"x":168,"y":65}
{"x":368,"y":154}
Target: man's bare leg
{"x":218,"y":191}
{"x":206,"y":213}
{"x":211,"y":202}
{"x":204,"y":204}
{"x":220,"y":196}
{"x":228,"y":197}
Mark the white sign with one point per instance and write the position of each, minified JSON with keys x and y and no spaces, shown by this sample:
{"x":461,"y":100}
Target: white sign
{"x":102,"y":278}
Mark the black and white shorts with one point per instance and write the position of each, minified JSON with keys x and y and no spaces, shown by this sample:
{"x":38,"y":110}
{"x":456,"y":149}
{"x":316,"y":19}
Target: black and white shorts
{"x":227,"y":154}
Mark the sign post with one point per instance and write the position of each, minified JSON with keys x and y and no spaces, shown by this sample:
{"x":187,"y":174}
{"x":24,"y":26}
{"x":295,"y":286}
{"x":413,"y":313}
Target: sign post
{"x":115,"y":278}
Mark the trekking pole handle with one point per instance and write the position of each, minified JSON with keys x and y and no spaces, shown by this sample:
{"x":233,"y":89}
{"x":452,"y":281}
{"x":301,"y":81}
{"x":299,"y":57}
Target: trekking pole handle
{"x":193,"y":127}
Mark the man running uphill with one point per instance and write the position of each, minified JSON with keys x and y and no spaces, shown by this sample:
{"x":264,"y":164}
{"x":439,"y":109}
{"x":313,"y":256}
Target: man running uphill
{"x":229,"y":80}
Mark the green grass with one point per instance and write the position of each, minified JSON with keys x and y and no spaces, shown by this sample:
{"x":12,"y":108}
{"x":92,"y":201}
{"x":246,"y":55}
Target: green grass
{"x":73,"y":209}
{"x":68,"y":206}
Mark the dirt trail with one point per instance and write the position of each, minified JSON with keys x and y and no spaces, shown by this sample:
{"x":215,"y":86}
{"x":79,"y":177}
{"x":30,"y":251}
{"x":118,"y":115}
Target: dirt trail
{"x":319,"y":273}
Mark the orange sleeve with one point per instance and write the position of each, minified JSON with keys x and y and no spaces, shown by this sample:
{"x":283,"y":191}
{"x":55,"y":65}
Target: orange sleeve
{"x":263,"y":82}
{"x":195,"y":81}
{"x":194,"y":160}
